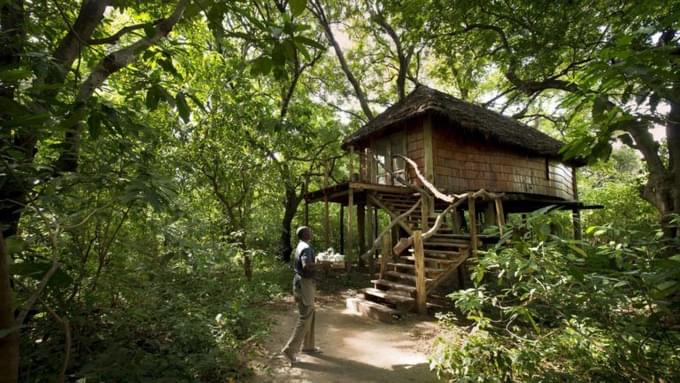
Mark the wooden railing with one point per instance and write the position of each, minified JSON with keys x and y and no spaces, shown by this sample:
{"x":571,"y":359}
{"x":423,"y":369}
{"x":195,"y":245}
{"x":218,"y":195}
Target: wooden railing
{"x":418,"y":237}
{"x":429,"y":194}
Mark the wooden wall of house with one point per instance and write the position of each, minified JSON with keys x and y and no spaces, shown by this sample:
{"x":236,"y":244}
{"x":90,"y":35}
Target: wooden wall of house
{"x":409,"y":133}
{"x":462,"y":163}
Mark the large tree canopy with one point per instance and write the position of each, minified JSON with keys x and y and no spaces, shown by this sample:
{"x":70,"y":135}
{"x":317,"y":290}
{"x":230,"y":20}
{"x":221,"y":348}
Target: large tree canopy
{"x":154,"y":156}
{"x":598,"y":71}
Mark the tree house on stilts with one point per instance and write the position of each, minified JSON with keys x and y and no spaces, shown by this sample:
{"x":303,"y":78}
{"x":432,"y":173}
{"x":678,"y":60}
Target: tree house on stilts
{"x":442,"y":170}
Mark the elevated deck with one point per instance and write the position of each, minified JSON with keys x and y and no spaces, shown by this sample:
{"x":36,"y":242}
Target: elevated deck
{"x":339,"y":193}
{"x":513,"y":202}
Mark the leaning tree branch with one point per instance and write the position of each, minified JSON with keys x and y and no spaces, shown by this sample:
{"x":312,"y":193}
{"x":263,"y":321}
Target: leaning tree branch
{"x":110,"y":64}
{"x":117,"y":60}
{"x":89,"y":17}
{"x":402,"y":56}
{"x":123,"y":31}
{"x":318,"y":11}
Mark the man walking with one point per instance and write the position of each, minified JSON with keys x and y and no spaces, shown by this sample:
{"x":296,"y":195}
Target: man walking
{"x":304,"y":289}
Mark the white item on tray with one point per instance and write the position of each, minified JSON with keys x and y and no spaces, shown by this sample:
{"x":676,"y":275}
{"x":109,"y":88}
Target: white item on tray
{"x":330,"y":256}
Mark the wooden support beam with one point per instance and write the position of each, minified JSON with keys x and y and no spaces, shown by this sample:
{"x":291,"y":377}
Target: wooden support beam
{"x":350,"y":213}
{"x":327,"y":218}
{"x":424,"y":212}
{"x":386,"y":253}
{"x":473,"y":225}
{"x":500,"y":215}
{"x":371,"y":234}
{"x":350,"y":229}
{"x":392,"y":214}
{"x":576,"y":214}
{"x":342,"y":229}
{"x":361,"y":230}
{"x":421,"y":288}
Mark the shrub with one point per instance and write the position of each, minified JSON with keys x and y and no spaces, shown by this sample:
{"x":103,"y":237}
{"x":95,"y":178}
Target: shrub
{"x":549,"y":309}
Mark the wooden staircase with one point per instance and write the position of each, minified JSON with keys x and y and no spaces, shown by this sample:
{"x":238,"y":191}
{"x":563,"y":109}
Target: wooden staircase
{"x":444,"y":252}
{"x":394,"y":292}
{"x":432,"y":253}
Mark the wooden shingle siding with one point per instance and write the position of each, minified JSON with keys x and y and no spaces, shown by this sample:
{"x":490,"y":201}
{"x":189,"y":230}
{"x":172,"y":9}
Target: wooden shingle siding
{"x":464,"y":163}
{"x":415,"y":149}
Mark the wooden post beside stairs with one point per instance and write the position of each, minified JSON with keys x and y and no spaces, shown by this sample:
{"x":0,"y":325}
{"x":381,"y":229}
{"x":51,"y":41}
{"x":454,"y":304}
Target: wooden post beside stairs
{"x":473,"y":224}
{"x":421,"y":289}
{"x":386,"y":253}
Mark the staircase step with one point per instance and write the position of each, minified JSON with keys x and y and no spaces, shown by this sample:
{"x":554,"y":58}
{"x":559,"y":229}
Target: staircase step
{"x":412,"y":267}
{"x":372,"y":310}
{"x":444,"y":253}
{"x":462,"y":237}
{"x":430,"y":243}
{"x":405,"y":276}
{"x":428,"y":259}
{"x":440,"y":252}
{"x":393,"y":285}
{"x":387,"y":296}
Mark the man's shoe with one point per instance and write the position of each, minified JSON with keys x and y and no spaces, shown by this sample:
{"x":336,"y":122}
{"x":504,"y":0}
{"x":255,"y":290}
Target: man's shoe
{"x":312,"y":351}
{"x":289,"y":356}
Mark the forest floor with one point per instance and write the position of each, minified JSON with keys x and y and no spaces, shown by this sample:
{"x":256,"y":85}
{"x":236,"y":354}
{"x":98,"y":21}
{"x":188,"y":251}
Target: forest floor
{"x":355,"y":349}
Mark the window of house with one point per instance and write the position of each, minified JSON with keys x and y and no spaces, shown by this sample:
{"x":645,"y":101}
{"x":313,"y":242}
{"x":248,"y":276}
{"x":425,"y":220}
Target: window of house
{"x":398,"y":147}
{"x":380,"y":162}
{"x":389,"y":170}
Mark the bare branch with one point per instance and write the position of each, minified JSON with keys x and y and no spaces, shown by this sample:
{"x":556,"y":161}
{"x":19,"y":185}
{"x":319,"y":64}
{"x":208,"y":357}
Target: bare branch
{"x":123,"y":31}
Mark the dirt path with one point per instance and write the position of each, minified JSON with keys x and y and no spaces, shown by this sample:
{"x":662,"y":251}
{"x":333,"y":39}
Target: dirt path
{"x":355,"y":349}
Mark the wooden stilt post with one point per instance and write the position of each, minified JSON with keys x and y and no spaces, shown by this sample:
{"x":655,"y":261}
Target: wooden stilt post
{"x":424,"y":212}
{"x":386,"y":253}
{"x":327,"y":219}
{"x":350,"y":230}
{"x":421,"y":288}
{"x":342,"y":229}
{"x":473,"y":225}
{"x":361,"y":230}
{"x":500,"y":215}
{"x":575,"y":214}
{"x":376,"y":229}
{"x":371,"y":235}
{"x":350,"y":212}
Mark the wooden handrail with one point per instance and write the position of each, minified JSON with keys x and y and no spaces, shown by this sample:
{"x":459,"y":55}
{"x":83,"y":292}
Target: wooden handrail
{"x":389,"y":227}
{"x":428,"y":189}
{"x":449,"y":198}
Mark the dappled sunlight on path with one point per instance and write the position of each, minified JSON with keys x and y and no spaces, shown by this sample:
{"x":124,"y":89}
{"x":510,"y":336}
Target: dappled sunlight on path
{"x":355,"y":349}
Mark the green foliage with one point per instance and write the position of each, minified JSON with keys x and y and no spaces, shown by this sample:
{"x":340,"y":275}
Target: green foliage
{"x":181,"y":323}
{"x":617,"y":185}
{"x":544,"y":308}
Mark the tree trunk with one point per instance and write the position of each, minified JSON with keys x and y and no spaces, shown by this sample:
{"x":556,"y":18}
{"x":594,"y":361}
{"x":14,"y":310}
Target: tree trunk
{"x":291,"y":204}
{"x":9,"y":344}
{"x":320,"y":14}
{"x":673,"y":140}
{"x":662,"y":189}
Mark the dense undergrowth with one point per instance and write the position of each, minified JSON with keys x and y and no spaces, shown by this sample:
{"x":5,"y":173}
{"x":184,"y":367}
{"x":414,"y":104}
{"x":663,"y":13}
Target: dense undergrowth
{"x":548,"y":309}
{"x":189,"y":321}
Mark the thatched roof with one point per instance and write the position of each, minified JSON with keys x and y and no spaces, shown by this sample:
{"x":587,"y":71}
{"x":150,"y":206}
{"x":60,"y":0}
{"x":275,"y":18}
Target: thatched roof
{"x":464,"y":115}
